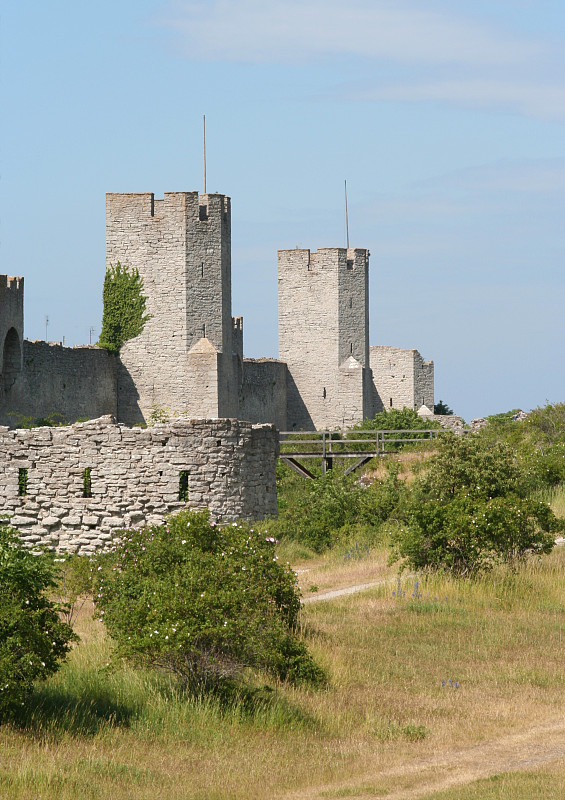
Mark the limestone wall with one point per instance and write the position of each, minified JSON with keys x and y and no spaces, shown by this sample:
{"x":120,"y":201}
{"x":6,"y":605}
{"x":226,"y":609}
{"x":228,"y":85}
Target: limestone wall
{"x":134,"y":476}
{"x":73,"y":382}
{"x":323,"y":322}
{"x":181,"y":247}
{"x":402,"y":378}
{"x":263,"y":392}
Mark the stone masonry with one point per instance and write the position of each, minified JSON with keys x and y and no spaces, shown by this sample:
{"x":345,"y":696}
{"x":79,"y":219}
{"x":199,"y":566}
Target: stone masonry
{"x":135,"y":477}
{"x":402,"y":378}
{"x":188,"y":361}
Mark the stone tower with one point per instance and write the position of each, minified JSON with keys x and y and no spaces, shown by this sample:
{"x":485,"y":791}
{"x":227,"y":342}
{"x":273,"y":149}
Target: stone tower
{"x":11,"y":330}
{"x":183,"y":361}
{"x":324,"y":336}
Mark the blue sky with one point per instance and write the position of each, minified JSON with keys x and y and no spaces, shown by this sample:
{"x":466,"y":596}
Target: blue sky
{"x":446,"y":118}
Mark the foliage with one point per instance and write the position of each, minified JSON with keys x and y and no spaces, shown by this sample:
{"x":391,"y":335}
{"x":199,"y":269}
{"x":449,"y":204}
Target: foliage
{"x":395,"y":419}
{"x":33,"y":639}
{"x":204,"y":602}
{"x":124,"y":314}
{"x":322,"y":512}
{"x":53,"y":420}
{"x":472,"y":509}
{"x":74,"y":585}
{"x":442,"y":408}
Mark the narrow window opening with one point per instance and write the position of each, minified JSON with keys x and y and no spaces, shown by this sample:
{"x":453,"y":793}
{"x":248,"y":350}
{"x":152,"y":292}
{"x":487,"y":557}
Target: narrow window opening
{"x":349,"y":263}
{"x":391,"y":402}
{"x":202,"y":270}
{"x":218,"y":443}
{"x":324,"y":394}
{"x":22,"y":482}
{"x":152,"y":205}
{"x":87,"y":482}
{"x":350,"y":302}
{"x":204,"y":330}
{"x":389,"y":365}
{"x":202,"y":213}
{"x":351,"y":347}
{"x":423,"y":402}
{"x":183,"y":486}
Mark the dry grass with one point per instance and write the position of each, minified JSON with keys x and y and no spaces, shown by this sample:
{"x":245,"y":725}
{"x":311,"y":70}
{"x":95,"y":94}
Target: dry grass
{"x":95,"y":734}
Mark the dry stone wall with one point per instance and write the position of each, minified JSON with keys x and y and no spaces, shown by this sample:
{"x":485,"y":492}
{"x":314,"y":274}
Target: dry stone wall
{"x":134,"y":476}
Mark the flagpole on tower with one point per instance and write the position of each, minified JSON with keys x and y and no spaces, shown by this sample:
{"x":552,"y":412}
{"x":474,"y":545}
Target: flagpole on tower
{"x":346,"y":218}
{"x":204,"y":142}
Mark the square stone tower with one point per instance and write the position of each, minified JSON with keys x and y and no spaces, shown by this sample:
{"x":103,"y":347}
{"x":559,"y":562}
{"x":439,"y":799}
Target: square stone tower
{"x":324,"y":336}
{"x":182,"y":362}
{"x":11,"y":330}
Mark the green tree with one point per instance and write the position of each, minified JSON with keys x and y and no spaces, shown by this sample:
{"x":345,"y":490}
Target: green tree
{"x":33,"y":639}
{"x":124,"y":314}
{"x":204,"y":602}
{"x":472,"y":509}
{"x":442,"y":408}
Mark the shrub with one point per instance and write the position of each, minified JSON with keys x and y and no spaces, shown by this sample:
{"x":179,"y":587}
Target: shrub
{"x":395,"y":419}
{"x":321,"y":512}
{"x":472,"y":510}
{"x":33,"y":639}
{"x":203,"y":601}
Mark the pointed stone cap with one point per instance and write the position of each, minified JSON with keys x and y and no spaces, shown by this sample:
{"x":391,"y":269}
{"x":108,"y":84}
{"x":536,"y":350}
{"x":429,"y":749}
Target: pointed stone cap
{"x":350,"y":363}
{"x":424,"y":411}
{"x":203,"y":345}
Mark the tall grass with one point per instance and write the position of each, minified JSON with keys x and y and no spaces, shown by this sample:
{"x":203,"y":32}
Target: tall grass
{"x":438,"y":665}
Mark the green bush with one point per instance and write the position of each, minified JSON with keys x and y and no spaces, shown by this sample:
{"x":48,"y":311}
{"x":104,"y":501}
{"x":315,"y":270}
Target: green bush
{"x":395,"y":419}
{"x":322,"y":512}
{"x":33,"y":639}
{"x":472,"y":509}
{"x":204,"y":602}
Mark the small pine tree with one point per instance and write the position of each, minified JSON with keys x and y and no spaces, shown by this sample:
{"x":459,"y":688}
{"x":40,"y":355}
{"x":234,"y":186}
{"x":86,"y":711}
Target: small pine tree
{"x":124,"y":307}
{"x":442,"y":409}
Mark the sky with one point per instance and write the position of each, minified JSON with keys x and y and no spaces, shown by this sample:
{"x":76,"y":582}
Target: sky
{"x":447,"y":119}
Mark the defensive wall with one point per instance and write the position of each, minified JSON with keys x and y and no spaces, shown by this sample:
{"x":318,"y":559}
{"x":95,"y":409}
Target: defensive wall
{"x":188,"y":361}
{"x":72,"y":488}
{"x":323,"y":336}
{"x":183,"y":361}
{"x":74,"y":382}
{"x":401,"y":378}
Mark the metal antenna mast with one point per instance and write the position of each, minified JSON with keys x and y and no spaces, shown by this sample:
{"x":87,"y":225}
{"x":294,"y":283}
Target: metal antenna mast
{"x":346,"y":218}
{"x":204,"y":140}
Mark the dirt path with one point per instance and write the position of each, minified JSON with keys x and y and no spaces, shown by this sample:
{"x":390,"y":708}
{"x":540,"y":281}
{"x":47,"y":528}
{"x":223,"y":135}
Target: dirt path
{"x":520,"y":751}
{"x":528,"y":749}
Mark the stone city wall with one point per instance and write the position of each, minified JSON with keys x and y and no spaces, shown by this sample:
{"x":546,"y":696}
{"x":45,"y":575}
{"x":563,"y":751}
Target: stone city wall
{"x":71,"y":382}
{"x":402,"y":378}
{"x":72,"y":488}
{"x":262,"y":395}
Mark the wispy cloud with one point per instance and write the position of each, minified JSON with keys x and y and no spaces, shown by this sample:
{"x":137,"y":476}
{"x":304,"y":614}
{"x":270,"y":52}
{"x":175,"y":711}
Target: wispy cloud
{"x":296,"y":31}
{"x":404,"y":52}
{"x":528,"y":97}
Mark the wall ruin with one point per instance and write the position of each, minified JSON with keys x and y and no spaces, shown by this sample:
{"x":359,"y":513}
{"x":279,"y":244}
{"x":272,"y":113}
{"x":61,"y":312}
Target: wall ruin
{"x":72,"y":488}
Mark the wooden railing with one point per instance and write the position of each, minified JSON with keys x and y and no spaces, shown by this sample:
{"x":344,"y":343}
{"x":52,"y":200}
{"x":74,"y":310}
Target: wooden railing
{"x":359,"y":445}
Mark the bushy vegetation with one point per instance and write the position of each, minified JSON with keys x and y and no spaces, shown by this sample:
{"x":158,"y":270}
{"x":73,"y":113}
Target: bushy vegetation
{"x":203,"y":602}
{"x":124,"y":314}
{"x":33,"y":639}
{"x":328,"y":511}
{"x":472,"y":509}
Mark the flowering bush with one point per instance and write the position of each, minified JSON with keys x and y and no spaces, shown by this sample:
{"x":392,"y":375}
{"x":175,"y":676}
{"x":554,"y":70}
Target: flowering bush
{"x":33,"y":639}
{"x":472,"y":509}
{"x":203,"y":601}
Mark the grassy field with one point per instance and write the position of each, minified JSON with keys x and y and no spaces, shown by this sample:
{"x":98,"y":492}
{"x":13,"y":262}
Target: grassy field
{"x":414,"y":676}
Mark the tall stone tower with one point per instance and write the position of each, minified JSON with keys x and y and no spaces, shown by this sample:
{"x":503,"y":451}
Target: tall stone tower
{"x":183,"y":361}
{"x":11,"y":330}
{"x":324,"y":336}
